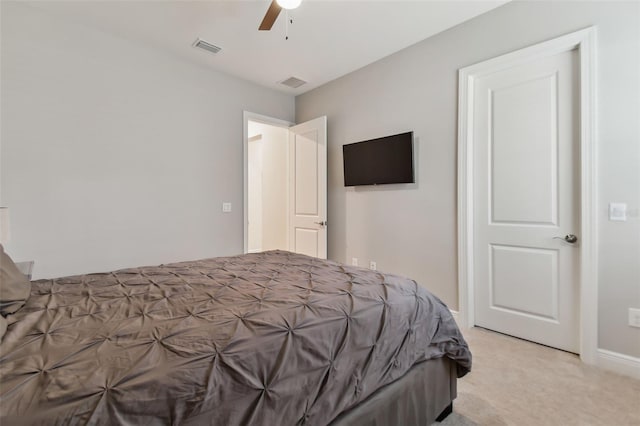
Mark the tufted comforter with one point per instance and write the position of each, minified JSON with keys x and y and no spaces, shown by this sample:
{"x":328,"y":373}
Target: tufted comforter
{"x":272,"y":338}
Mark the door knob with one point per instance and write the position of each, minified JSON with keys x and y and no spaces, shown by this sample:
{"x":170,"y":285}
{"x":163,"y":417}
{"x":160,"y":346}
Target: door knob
{"x":323,"y":223}
{"x":570,"y":238}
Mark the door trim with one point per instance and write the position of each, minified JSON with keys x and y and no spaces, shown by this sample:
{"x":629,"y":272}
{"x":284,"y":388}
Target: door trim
{"x":585,"y":42}
{"x":246,"y":117}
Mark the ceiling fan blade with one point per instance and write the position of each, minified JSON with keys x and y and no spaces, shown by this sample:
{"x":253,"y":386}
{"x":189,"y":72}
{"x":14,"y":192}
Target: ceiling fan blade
{"x":270,"y":17}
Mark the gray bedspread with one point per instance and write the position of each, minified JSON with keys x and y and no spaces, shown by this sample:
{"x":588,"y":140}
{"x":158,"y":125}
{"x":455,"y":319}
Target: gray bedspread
{"x":272,"y":338}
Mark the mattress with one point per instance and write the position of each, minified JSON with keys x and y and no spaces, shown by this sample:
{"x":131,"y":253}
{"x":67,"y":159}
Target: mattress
{"x":261,"y":339}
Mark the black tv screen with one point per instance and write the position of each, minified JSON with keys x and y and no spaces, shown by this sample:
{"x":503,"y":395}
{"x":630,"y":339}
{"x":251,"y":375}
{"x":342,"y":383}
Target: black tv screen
{"x":379,"y":161}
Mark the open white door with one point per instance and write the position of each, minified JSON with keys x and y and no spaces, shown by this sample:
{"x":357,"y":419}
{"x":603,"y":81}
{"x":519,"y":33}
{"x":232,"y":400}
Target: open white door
{"x":308,"y":189}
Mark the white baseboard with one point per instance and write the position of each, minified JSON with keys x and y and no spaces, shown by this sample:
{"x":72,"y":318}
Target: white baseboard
{"x":608,"y":360}
{"x":619,"y":363}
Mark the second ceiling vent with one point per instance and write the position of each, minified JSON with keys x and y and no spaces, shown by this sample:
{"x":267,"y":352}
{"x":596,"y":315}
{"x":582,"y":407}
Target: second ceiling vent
{"x":206,"y":46}
{"x":293,"y":82}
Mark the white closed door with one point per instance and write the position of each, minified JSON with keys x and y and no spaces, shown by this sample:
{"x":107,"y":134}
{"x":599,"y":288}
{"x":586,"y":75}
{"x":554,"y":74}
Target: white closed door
{"x":526,"y":189}
{"x":308,"y":188}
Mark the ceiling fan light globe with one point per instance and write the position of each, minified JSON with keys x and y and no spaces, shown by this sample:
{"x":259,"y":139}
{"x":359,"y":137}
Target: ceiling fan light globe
{"x":289,"y":4}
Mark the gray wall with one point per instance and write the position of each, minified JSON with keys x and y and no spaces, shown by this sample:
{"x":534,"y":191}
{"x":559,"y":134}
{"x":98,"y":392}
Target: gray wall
{"x":411,"y":229}
{"x":114,"y":154}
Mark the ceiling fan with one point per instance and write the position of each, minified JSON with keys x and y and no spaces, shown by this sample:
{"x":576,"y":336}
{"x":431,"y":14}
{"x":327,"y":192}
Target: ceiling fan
{"x":274,"y":10}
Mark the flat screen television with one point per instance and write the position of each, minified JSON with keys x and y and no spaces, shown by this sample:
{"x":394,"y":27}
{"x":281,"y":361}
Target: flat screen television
{"x":379,"y":161}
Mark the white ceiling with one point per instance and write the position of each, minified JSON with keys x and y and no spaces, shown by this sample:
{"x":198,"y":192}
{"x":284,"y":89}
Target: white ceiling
{"x":328,"y":38}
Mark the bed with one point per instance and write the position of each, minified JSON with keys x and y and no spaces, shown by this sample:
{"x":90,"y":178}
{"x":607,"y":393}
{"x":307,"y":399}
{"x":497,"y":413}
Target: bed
{"x":272,"y":338}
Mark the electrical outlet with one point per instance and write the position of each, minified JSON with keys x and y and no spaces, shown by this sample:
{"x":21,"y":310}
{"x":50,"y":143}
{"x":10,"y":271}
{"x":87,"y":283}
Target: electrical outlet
{"x":373,"y":265}
{"x":354,"y":261}
{"x":226,"y":207}
{"x":634,"y":317}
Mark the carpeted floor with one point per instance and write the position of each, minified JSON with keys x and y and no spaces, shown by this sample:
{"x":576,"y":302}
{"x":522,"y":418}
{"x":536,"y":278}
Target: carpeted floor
{"x":515,"y":382}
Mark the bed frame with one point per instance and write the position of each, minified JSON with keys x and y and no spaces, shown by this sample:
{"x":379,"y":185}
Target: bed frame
{"x":419,"y":398}
{"x":422,"y":396}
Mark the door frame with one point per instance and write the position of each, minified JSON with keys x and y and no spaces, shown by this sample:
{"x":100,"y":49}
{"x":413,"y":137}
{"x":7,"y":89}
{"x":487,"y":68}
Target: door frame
{"x":246,"y":117}
{"x":584,"y":41}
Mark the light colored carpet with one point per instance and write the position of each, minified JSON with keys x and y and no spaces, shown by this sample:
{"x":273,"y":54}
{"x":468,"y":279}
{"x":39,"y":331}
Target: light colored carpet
{"x":515,"y":382}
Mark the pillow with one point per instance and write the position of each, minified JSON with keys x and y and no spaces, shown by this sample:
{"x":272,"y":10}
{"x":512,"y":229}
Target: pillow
{"x":15,"y":288}
{"x":3,"y":327}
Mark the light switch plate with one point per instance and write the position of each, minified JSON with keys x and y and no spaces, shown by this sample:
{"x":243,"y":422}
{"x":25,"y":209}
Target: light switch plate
{"x":226,"y":207}
{"x":618,"y":212}
{"x":634,"y":317}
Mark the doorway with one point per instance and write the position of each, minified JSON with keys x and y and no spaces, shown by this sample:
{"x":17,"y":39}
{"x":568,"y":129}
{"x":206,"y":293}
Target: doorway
{"x":267,"y":187}
{"x":285,"y":185}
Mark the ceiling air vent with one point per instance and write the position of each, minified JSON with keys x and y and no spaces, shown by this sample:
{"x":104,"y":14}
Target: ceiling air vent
{"x":293,"y":82}
{"x":206,"y":46}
